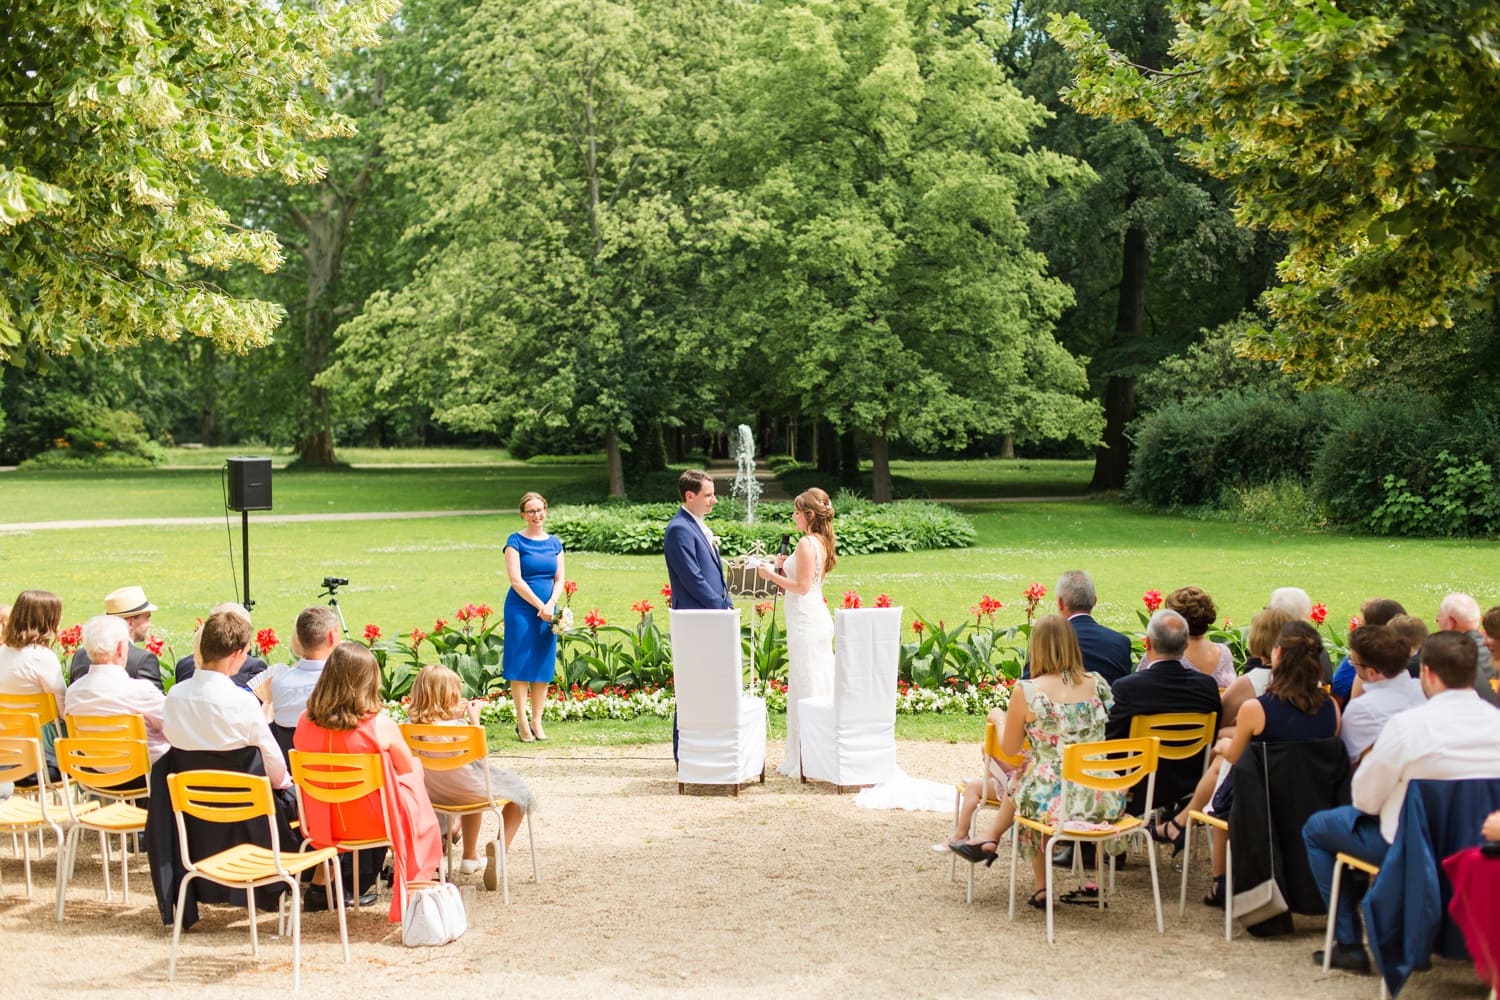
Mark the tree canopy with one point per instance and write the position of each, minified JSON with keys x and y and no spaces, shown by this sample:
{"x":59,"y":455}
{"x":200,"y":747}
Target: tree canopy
{"x":111,"y":115}
{"x":1367,"y":132}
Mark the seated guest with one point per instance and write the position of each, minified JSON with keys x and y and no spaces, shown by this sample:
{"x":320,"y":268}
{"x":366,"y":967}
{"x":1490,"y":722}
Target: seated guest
{"x":344,"y":715}
{"x":27,"y":663}
{"x":1166,"y":685}
{"x":1294,"y":709}
{"x":207,"y":711}
{"x":1379,"y":656}
{"x":1375,"y":611}
{"x":437,"y":699}
{"x":1204,"y":656}
{"x":1450,"y":736}
{"x":1460,"y":613}
{"x":316,"y":634}
{"x":1105,"y":651}
{"x":995,"y":780}
{"x":108,"y":689}
{"x":129,"y":604}
{"x":1490,"y":623}
{"x":254,"y":665}
{"x":1060,"y":705}
{"x":1294,"y":601}
{"x":1413,"y":631}
{"x":1265,"y":629}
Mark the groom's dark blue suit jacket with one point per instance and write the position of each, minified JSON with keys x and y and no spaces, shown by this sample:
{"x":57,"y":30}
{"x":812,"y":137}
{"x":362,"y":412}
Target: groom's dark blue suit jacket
{"x":693,"y":567}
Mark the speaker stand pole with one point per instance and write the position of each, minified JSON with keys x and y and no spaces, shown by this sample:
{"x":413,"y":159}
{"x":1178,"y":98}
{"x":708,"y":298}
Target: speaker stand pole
{"x":245,"y":554}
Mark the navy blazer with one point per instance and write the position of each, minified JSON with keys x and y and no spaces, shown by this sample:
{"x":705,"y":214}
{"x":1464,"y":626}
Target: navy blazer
{"x":693,"y":568}
{"x":1105,"y":651}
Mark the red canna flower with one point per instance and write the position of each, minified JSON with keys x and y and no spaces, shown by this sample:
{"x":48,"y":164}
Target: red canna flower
{"x":666,"y":591}
{"x":483,"y":611}
{"x":1318,"y":614}
{"x":155,"y":645}
{"x":1354,"y":623}
{"x":642,"y":608}
{"x":851,"y":599}
{"x":570,"y":587}
{"x":1034,"y":595}
{"x":70,"y":637}
{"x":594,"y":620}
{"x":987,"y":607}
{"x":439,"y":625}
{"x":265,"y":640}
{"x":917,"y":626}
{"x":417,"y":635}
{"x":882,"y":601}
{"x":763,"y":608}
{"x":1152,"y":599}
{"x":372,"y":633}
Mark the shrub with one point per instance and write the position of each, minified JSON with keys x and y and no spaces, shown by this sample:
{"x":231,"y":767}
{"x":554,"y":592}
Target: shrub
{"x":1284,"y":503}
{"x":862,"y":527}
{"x":1187,"y":453}
{"x":1461,"y":502}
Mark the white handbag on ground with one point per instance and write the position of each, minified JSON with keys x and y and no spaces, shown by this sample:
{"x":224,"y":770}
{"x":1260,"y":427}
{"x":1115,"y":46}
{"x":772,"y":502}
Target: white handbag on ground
{"x":434,"y":914}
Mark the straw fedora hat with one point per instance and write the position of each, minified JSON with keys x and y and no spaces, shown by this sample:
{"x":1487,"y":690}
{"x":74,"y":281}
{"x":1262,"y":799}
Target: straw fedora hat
{"x":127,"y":602}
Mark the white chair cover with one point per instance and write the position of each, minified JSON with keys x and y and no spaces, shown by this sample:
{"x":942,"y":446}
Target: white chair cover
{"x":850,"y":739}
{"x":721,"y":729}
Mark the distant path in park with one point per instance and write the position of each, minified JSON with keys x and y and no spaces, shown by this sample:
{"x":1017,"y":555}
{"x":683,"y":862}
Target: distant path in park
{"x":181,"y":522}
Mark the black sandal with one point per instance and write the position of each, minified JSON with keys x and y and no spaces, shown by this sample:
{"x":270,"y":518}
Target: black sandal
{"x":1038,"y":899}
{"x":1087,"y":895}
{"x":1215,"y":897}
{"x":1160,"y":833}
{"x":975,"y":853}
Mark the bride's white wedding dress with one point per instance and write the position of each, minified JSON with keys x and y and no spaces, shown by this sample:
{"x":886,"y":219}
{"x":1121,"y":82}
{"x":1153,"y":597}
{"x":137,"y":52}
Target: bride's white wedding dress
{"x":809,"y":644}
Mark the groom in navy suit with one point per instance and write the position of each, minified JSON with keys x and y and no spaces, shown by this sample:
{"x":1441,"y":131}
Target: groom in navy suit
{"x":693,"y":567}
{"x":694,"y":571}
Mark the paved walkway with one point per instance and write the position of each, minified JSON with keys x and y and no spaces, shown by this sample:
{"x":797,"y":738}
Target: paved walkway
{"x":174,"y":522}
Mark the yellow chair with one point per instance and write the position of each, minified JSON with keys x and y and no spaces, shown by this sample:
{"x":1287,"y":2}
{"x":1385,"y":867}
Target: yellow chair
{"x":112,"y":769}
{"x":1216,"y":823}
{"x":448,"y":748}
{"x":22,"y":758}
{"x":1340,"y":862}
{"x":107,"y":727}
{"x":1106,"y":766}
{"x":990,"y":759}
{"x":39,"y":703}
{"x":337,"y":778}
{"x":232,"y":797}
{"x":1182,"y":734}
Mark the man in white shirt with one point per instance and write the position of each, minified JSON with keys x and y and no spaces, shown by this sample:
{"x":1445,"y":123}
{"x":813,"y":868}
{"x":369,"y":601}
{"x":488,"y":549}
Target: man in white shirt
{"x":107,"y":689}
{"x":1379,"y":657}
{"x":208,"y":712}
{"x":1452,"y":736}
{"x":317,"y":632}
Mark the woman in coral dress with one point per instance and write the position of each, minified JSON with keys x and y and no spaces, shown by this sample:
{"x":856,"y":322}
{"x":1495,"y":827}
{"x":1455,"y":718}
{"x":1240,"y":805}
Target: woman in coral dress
{"x":343,"y":716}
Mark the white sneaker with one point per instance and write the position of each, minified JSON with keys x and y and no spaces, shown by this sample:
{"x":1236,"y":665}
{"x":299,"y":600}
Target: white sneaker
{"x":468,"y":866}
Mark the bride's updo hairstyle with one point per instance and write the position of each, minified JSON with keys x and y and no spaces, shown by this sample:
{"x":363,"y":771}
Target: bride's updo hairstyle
{"x":1054,"y":649}
{"x":814,"y":503}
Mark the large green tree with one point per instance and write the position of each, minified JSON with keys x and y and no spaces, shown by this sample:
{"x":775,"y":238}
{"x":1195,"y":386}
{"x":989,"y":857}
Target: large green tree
{"x":1367,"y":132}
{"x":884,"y":163}
{"x":110,"y":115}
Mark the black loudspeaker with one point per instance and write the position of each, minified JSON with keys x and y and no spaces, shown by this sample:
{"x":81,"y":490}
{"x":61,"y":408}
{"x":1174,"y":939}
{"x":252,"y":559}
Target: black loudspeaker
{"x":249,"y":484}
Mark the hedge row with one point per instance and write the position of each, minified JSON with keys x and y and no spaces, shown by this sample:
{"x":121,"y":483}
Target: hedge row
{"x":860,"y":526}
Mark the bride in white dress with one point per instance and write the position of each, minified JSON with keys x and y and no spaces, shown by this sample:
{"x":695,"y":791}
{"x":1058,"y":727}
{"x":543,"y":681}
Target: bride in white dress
{"x":809,"y":625}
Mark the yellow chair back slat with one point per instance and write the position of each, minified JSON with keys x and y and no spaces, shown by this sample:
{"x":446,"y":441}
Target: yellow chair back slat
{"x":106,"y":727}
{"x":222,"y":796}
{"x":445,"y":748}
{"x":336,"y":778}
{"x":40,"y":704}
{"x":1110,"y":765}
{"x":103,"y":764}
{"x":20,"y":725}
{"x":1182,"y":734}
{"x":20,"y":758}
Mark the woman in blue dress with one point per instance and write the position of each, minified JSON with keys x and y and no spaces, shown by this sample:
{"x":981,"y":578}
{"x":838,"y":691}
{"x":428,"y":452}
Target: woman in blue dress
{"x":534,"y":563}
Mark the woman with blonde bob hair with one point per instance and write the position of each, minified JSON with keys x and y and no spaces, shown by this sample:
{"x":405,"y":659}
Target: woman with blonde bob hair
{"x":343,"y":715}
{"x":809,"y":626}
{"x":437,"y":700}
{"x":1059,"y":705}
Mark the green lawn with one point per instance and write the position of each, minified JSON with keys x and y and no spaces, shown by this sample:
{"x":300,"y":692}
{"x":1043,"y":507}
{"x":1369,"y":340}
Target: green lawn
{"x":995,"y":477}
{"x":214,"y":456}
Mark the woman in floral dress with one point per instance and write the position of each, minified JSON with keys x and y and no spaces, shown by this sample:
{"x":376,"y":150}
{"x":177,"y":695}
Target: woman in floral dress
{"x":1059,"y":705}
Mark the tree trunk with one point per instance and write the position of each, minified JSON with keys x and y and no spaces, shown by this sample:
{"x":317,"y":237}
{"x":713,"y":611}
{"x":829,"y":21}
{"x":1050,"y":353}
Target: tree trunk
{"x":1007,"y":446}
{"x":880,"y":478}
{"x":849,"y":459}
{"x":1112,"y":458}
{"x":825,"y":448}
{"x":615,"y":463}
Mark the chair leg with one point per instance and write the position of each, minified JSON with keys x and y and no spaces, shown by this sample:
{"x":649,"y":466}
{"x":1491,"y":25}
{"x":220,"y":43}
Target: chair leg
{"x":1187,"y":862}
{"x":297,"y":930}
{"x":356,"y":878}
{"x":501,"y":853}
{"x":1228,"y":893}
{"x":125,"y":866}
{"x":1047,"y":846}
{"x":177,"y":925}
{"x":1150,"y":847}
{"x":343,"y":921}
{"x":1333,"y":909}
{"x":65,"y":867}
{"x":1014,"y":837}
{"x":536,"y":872}
{"x":254,"y":935}
{"x":109,"y":894}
